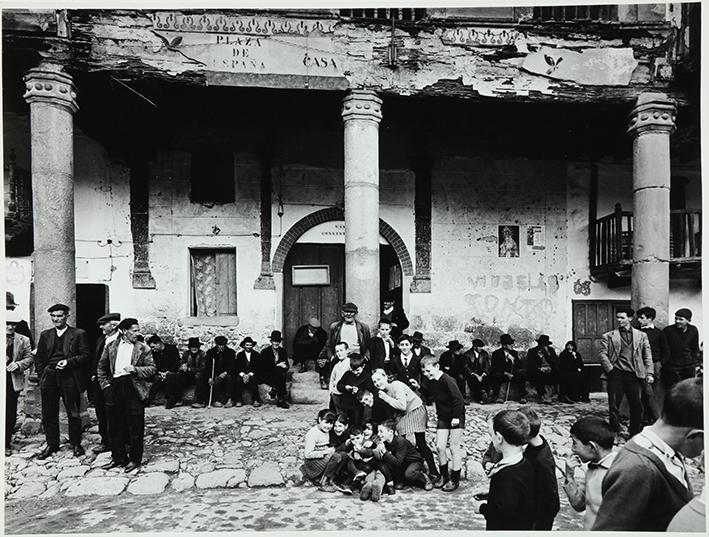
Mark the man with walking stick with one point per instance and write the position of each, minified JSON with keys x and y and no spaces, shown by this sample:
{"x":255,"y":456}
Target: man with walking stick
{"x":221,"y":363}
{"x":506,"y":367}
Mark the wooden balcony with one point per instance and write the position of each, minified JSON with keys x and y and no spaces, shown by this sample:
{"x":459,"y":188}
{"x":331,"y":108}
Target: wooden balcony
{"x":612,"y":244}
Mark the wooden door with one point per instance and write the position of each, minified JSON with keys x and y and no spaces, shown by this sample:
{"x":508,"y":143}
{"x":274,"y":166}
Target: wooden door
{"x":592,"y":319}
{"x":301,"y":302}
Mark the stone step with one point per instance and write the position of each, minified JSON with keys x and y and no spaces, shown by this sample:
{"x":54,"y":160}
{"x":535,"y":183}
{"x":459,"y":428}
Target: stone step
{"x":308,"y":378}
{"x":309,"y":395}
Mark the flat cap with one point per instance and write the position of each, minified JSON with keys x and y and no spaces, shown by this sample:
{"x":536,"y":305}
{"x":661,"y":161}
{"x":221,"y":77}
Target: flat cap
{"x":58,"y":307}
{"x":109,"y":317}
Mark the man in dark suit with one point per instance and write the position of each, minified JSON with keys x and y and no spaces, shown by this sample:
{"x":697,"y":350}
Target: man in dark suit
{"x":18,"y":359}
{"x":506,"y":367}
{"x":543,"y":366}
{"x":406,"y":365}
{"x":308,"y":342}
{"x":124,"y":372}
{"x":382,"y":348}
{"x":109,"y":332}
{"x":220,"y":370}
{"x":167,"y":362}
{"x":61,"y":363}
{"x":248,"y":373}
{"x":477,"y":370}
{"x":419,"y":349}
{"x":274,"y":361}
{"x":452,"y":362}
{"x":396,"y":316}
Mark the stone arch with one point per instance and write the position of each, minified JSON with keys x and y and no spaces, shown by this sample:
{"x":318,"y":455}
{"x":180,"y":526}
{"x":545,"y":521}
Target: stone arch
{"x":328,"y":215}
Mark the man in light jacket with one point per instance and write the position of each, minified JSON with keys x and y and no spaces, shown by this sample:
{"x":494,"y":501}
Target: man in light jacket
{"x":18,"y":359}
{"x":626,"y":359}
{"x":124,"y":372}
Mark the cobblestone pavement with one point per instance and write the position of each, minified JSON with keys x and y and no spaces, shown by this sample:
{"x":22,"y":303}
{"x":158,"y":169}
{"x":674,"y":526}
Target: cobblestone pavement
{"x":239,"y":468}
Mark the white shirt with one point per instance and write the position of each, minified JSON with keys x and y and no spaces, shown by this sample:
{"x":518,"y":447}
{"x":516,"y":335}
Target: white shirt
{"x":337,"y":371}
{"x":112,"y":337}
{"x":60,"y":333}
{"x":510,"y":461}
{"x":123,"y":356}
{"x":406,"y":360}
{"x":348,"y":333}
{"x":670,"y":458}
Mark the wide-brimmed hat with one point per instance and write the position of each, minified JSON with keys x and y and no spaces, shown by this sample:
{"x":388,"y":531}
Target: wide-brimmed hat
{"x":246,"y":340}
{"x":109,"y":317}
{"x":478,"y":343}
{"x":454,"y":345}
{"x":194,"y":342}
{"x":220,"y":340}
{"x":543,"y":340}
{"x":506,"y":339}
{"x":418,"y":337}
{"x":350,"y":306}
{"x":10,"y":300}
{"x":276,"y":336}
{"x":314,"y":322}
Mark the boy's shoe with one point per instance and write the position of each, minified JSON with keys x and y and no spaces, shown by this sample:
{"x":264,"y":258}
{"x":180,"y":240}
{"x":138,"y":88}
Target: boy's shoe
{"x":435,"y":478}
{"x":390,"y":489}
{"x":440,"y":484}
{"x":282,"y":404}
{"x":427,"y":485}
{"x":365,"y":492}
{"x":359,"y":478}
{"x":376,"y":492}
{"x":344,"y":489}
{"x":450,"y":486}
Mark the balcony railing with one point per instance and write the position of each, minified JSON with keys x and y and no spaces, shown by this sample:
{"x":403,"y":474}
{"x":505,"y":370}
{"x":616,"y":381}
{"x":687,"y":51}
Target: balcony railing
{"x":612,"y":241}
{"x":576,"y":13}
{"x":385,"y":14}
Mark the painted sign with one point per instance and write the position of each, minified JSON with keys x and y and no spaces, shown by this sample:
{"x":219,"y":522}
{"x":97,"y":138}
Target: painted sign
{"x":332,"y":232}
{"x":508,"y":241}
{"x":536,"y":238}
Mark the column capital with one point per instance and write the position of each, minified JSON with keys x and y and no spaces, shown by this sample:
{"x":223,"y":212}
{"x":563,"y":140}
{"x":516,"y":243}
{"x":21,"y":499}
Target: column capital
{"x":49,"y":84}
{"x":362,"y":104}
{"x":653,"y":112}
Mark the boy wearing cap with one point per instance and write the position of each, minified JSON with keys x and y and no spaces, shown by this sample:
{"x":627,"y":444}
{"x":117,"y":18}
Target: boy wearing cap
{"x":274,"y":360}
{"x":506,"y":367}
{"x":219,"y":372}
{"x":477,"y":368}
{"x":124,"y":372}
{"x":109,"y":331}
{"x":248,"y":373}
{"x":683,"y":340}
{"x":61,"y":360}
{"x":18,"y":359}
{"x":167,"y":362}
{"x":308,"y":342}
{"x":543,"y":363}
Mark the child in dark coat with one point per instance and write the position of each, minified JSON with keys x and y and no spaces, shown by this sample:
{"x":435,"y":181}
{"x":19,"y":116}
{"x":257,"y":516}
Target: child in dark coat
{"x":510,"y":503}
{"x":354,"y":381}
{"x":546,"y":487}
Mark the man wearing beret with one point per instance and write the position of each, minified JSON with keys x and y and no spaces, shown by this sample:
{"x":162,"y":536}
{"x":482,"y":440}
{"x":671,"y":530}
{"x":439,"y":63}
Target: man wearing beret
{"x":109,"y":332}
{"x":167,"y":362}
{"x":124,"y":372}
{"x":349,"y":330}
{"x":62,"y":358}
{"x":683,"y":339}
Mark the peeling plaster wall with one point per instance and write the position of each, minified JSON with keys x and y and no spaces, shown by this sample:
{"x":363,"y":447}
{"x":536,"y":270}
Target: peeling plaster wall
{"x":476,"y":293}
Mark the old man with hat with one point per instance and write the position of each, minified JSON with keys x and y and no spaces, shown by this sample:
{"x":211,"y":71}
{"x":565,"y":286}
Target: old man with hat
{"x":274,"y":360}
{"x":62,"y":359}
{"x":308,"y":341}
{"x":18,"y":359}
{"x":543,"y":366}
{"x":167,"y":362}
{"x":419,"y":349}
{"x":477,"y":370}
{"x":109,"y":332}
{"x":220,"y":370}
{"x":249,"y":372}
{"x":507,"y":369}
{"x":124,"y":373}
{"x":349,"y":330}
{"x":452,"y":362}
{"x":191,"y":370}
{"x":21,"y":327}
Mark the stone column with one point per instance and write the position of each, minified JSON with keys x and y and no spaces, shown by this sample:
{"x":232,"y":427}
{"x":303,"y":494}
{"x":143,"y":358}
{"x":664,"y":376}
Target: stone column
{"x":362,"y":112}
{"x":651,"y":123}
{"x":51,"y":95}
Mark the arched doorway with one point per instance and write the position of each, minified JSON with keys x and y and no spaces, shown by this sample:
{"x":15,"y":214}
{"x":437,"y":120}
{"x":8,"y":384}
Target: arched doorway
{"x":311,"y":257}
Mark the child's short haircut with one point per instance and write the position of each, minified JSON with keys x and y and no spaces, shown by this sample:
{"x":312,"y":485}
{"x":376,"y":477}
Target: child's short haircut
{"x":356,"y":360}
{"x":342,"y":343}
{"x":404,"y":337}
{"x":354,"y":431}
{"x":384,"y":320}
{"x":389,"y":424}
{"x":683,"y":404}
{"x":429,"y":359}
{"x":594,"y":429}
{"x":535,"y":421}
{"x":327,"y":415}
{"x":512,"y":425}
{"x":370,"y":421}
{"x":343,"y":418}
{"x":650,"y":313}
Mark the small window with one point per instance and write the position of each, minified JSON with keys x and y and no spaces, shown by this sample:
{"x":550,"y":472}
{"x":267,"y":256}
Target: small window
{"x":213,"y":282}
{"x":311,"y":275}
{"x":212,"y":177}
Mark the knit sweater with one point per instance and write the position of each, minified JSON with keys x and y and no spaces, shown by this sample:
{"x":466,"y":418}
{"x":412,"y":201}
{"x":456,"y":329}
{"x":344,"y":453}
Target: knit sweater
{"x":449,"y":401}
{"x":684,"y":346}
{"x":639,"y":494}
{"x":546,"y":487}
{"x":510,"y":503}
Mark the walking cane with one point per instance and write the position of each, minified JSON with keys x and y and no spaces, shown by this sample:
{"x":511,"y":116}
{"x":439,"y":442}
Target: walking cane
{"x":211,"y":386}
{"x":507,"y":393}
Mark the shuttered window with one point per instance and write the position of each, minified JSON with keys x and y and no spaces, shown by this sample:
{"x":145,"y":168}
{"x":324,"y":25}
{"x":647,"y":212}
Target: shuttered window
{"x":213,"y":282}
